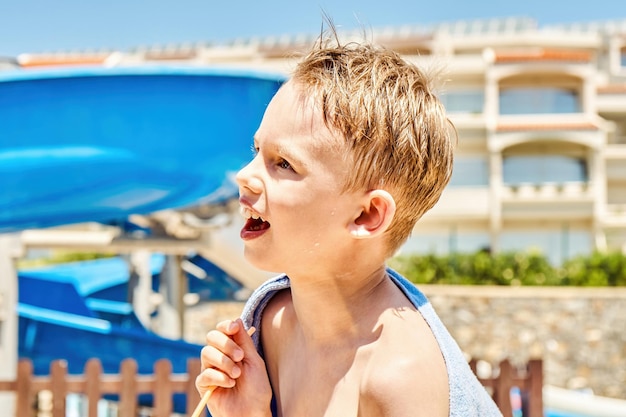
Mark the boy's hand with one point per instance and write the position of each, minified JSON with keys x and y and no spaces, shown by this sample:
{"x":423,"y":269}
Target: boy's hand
{"x":236,"y":373}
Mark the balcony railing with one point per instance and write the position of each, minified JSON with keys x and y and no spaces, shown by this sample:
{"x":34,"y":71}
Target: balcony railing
{"x":567,"y":190}
{"x":615,"y":215}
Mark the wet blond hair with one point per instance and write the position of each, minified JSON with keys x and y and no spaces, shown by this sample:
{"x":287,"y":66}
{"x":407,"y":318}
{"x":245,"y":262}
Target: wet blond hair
{"x":396,"y":129}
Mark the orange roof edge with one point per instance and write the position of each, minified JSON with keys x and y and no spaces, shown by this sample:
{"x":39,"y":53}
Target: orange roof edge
{"x":513,"y":127}
{"x":49,"y":61}
{"x":543,"y":55}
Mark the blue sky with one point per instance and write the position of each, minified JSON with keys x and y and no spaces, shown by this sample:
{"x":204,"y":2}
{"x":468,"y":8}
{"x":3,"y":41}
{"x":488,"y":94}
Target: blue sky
{"x":63,"y":25}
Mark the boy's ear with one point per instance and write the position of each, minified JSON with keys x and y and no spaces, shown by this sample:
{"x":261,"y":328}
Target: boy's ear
{"x":376,"y":215}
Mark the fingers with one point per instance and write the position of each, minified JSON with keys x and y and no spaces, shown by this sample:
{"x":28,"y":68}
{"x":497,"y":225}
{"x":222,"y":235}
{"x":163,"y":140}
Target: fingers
{"x":212,"y":357}
{"x":211,"y":378}
{"x":230,"y":327}
{"x":221,"y":339}
{"x":243,"y":340}
{"x":222,"y":357}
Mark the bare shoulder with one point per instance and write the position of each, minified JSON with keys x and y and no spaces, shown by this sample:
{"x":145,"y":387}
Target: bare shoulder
{"x":277,"y":313}
{"x":277,"y":319}
{"x":406,"y":374}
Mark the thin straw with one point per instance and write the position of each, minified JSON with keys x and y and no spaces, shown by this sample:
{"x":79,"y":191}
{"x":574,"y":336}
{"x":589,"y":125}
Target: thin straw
{"x":205,"y":398}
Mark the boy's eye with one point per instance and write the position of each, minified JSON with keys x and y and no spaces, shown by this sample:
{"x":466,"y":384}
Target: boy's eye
{"x":284,"y":164}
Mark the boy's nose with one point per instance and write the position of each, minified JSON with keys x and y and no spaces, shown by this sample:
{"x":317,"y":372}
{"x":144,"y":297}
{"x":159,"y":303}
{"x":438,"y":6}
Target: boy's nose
{"x":246,"y":178}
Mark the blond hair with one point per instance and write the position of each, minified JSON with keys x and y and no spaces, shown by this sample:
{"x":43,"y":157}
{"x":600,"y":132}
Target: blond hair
{"x":399,"y":136}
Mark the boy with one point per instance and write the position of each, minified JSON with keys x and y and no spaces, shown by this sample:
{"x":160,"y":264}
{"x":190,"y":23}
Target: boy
{"x":351,"y":152}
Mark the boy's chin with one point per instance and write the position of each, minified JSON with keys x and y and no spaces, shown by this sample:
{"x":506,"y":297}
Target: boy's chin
{"x":259,"y":262}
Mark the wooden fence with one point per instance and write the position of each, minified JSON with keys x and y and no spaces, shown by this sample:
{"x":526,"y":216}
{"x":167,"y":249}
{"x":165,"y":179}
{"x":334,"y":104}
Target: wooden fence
{"x":529,"y":381}
{"x":128,"y":385}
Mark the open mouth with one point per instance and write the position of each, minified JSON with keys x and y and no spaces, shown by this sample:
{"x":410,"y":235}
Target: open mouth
{"x":255,"y":225}
{"x":254,"y":222}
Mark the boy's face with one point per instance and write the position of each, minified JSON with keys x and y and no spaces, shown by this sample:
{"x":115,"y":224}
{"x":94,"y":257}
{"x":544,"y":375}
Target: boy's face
{"x":294,"y":183}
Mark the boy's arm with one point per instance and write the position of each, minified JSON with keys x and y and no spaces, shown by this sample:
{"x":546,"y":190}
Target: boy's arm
{"x":407,"y":387}
{"x":234,"y":371}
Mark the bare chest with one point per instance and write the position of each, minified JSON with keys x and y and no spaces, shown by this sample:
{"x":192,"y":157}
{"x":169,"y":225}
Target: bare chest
{"x":331,"y":389}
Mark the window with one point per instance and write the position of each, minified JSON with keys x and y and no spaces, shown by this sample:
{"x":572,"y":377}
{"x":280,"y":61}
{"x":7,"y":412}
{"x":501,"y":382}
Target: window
{"x":539,"y":169}
{"x":539,"y":100}
{"x":445,"y":243}
{"x":470,"y":171}
{"x":464,"y":101}
{"x":557,"y":244}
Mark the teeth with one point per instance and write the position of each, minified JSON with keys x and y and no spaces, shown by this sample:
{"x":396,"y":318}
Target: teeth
{"x":247,"y":214}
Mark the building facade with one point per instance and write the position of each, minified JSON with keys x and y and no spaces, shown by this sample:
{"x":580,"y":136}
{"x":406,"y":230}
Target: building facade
{"x":540,"y":113}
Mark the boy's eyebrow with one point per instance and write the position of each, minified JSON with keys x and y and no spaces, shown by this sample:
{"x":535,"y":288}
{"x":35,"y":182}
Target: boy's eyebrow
{"x":287,"y":153}
{"x":283,"y":150}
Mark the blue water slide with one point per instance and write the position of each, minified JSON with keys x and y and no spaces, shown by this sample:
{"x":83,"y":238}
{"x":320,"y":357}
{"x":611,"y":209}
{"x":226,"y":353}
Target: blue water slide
{"x":101,"y":286}
{"x":64,"y":314}
{"x":46,"y":335}
{"x":99,"y":144}
{"x":95,"y":289}
{"x":90,"y":299}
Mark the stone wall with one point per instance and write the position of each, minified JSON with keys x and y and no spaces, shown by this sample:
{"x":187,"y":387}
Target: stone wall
{"x":580,"y":333}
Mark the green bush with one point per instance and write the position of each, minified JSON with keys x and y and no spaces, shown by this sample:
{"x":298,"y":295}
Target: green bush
{"x":59,"y":257}
{"x":597,"y":269}
{"x":512,"y":268}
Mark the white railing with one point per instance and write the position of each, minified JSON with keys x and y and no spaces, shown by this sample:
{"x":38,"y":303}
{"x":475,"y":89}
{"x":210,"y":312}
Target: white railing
{"x":570,"y":190}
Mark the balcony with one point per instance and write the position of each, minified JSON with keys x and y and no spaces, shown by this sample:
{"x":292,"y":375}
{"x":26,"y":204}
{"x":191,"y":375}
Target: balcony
{"x":615,"y":216}
{"x":562,"y":192}
{"x":559,"y":123}
{"x":461,"y":203}
{"x":547,"y":201}
{"x":611,"y":99}
{"x":558,"y":130}
{"x":470,"y":121}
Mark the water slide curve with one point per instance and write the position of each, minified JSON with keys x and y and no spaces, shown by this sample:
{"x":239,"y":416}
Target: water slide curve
{"x":99,"y":144}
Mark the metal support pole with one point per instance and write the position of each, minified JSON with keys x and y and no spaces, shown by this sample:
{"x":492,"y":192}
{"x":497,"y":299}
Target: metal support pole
{"x":171,"y":317}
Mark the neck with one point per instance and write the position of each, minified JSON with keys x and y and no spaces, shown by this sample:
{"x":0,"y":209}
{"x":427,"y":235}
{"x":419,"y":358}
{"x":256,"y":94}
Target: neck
{"x":337,"y":309}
